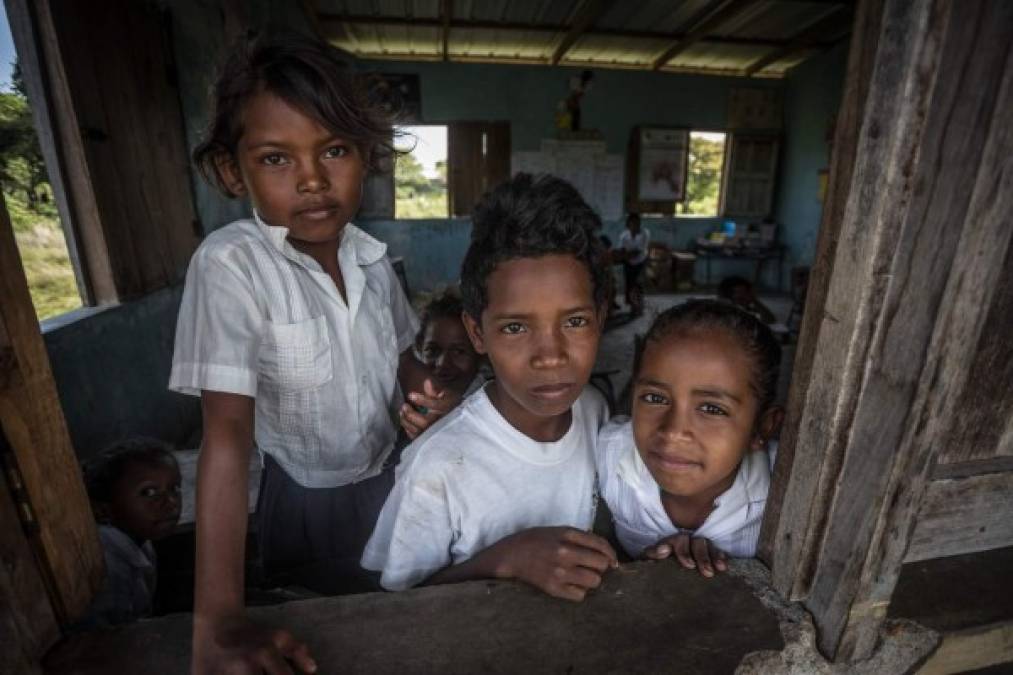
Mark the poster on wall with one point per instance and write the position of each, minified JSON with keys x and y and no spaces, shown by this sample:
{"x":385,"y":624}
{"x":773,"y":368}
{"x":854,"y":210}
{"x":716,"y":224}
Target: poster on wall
{"x":661,"y":170}
{"x":399,"y":94}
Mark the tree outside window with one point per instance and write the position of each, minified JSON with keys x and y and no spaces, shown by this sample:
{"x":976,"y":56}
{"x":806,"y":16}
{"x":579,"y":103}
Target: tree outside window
{"x":703,"y":179}
{"x":420,"y":177}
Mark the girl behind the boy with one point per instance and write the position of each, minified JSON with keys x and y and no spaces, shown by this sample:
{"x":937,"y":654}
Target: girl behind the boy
{"x":291,"y":329}
{"x":689,"y":474}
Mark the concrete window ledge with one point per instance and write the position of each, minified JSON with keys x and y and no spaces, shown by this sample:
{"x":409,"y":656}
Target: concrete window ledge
{"x":646,"y":618}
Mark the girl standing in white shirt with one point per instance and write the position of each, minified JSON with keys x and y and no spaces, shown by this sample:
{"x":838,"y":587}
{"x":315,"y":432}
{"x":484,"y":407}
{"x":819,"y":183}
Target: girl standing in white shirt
{"x":295,"y":333}
{"x":689,"y":475}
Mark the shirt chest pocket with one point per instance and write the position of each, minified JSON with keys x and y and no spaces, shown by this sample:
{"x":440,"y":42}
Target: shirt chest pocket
{"x":297,"y":356}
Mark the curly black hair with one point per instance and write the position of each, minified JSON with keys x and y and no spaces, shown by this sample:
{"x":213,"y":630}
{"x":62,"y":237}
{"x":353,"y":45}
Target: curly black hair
{"x":529,"y":217}
{"x":309,"y":75}
{"x":753,"y":335}
{"x":103,"y":470}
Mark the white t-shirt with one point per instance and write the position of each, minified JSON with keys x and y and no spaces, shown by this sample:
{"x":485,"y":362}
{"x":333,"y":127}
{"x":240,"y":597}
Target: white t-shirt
{"x":635,"y":246}
{"x":640,"y":519}
{"x":261,"y":319}
{"x":473,"y":479}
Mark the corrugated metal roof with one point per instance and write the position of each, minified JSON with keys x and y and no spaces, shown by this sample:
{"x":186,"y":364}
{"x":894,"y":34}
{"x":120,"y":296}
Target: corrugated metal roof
{"x":763,"y":38}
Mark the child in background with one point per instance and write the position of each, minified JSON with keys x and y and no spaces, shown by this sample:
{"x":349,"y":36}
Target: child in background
{"x":134,"y":488}
{"x":689,"y":475}
{"x":739,"y":291}
{"x":633,"y":246}
{"x":503,"y":486}
{"x":295,"y":333}
{"x":442,"y":346}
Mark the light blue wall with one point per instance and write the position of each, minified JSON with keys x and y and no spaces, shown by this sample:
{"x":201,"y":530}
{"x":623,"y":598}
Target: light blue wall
{"x":812,"y":96}
{"x":526,"y":96}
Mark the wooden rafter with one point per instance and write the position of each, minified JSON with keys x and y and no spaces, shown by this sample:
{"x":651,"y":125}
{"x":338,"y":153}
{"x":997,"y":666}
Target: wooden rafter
{"x":446,"y":16}
{"x":700,"y":31}
{"x":585,"y":18}
{"x":799,"y":42}
{"x":334,"y":20}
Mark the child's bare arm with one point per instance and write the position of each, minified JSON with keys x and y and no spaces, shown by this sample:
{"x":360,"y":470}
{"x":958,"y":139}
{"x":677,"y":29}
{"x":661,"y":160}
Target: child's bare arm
{"x":691,"y":552}
{"x":426,"y":403}
{"x":561,"y":561}
{"x":224,"y":639}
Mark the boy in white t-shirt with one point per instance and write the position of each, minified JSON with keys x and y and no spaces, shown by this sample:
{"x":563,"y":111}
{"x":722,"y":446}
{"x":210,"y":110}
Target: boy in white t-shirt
{"x":504,"y":485}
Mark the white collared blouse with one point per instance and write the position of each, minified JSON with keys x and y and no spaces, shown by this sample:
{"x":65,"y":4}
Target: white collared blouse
{"x":261,"y":319}
{"x":640,"y":519}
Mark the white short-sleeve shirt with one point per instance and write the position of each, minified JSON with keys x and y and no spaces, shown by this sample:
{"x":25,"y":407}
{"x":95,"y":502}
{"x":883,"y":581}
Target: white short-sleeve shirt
{"x":261,"y":319}
{"x":473,"y":479}
{"x":640,"y":518}
{"x":636,"y":246}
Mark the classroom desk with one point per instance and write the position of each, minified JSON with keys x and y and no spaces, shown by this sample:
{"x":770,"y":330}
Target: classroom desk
{"x":758,"y":256}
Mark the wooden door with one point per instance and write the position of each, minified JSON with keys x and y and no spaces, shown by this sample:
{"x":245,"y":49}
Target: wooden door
{"x":478,"y":155}
{"x":902,"y":378}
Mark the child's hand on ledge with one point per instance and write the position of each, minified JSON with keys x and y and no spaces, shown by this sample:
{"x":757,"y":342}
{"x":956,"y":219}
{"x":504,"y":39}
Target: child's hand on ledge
{"x":691,"y":552}
{"x":239,"y":645}
{"x":426,"y":407}
{"x":561,"y":561}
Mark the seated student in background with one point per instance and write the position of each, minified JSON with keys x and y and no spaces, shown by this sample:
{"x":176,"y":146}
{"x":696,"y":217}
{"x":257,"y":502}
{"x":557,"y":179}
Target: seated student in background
{"x":134,"y":488}
{"x":688,"y":476}
{"x":503,"y":486}
{"x":739,"y":291}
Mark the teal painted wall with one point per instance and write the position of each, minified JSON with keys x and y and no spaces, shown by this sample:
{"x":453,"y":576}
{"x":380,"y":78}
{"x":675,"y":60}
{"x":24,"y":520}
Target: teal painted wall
{"x":526,"y":96}
{"x":812,"y":96}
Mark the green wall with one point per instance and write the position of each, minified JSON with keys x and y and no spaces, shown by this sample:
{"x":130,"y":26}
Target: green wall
{"x":526,"y":96}
{"x":812,"y":96}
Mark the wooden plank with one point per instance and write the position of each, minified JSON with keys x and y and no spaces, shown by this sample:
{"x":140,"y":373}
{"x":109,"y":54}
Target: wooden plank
{"x":790,"y":502}
{"x":972,"y":468}
{"x":646,"y":618}
{"x":967,"y":515}
{"x":971,"y":649}
{"x":446,"y":16}
{"x":982,"y":425}
{"x":34,"y":426}
{"x":333,"y":24}
{"x":896,"y":318}
{"x":700,"y":30}
{"x":830,"y":22}
{"x":589,"y":13}
{"x":28,"y":627}
{"x":61,"y":143}
{"x":128,"y":110}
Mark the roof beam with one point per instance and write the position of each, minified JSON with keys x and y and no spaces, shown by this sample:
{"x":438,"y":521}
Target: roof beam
{"x":697,"y":33}
{"x":586,"y":17}
{"x":802,"y":40}
{"x":446,"y":15}
{"x":360,"y":20}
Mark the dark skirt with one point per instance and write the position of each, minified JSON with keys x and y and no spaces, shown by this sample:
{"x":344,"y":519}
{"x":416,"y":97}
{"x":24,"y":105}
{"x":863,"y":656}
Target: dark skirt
{"x":314,"y":537}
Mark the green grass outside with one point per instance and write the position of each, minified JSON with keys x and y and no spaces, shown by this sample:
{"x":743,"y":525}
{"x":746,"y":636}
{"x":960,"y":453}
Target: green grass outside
{"x":45,"y":258}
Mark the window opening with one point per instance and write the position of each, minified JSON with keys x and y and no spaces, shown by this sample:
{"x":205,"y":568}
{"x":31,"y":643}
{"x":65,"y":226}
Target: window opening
{"x":420,"y":176}
{"x":704,"y":174}
{"x":40,"y":237}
